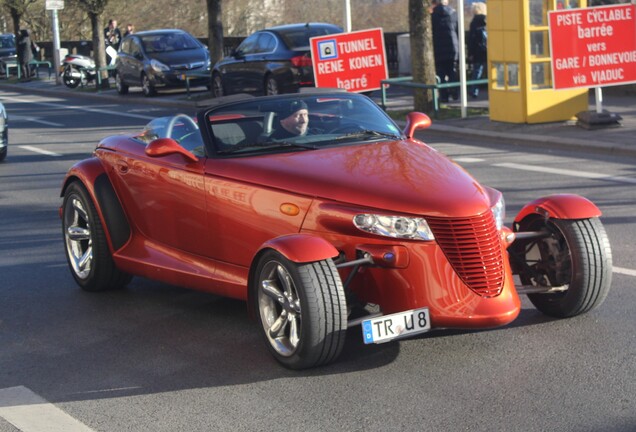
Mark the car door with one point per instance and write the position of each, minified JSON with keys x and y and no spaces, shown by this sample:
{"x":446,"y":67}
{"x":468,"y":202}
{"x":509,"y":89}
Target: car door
{"x":163,"y":197}
{"x":256,"y":62}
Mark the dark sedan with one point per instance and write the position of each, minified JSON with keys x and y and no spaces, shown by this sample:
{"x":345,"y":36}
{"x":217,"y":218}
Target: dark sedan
{"x":7,"y":51}
{"x":161,"y":58}
{"x":271,"y":61}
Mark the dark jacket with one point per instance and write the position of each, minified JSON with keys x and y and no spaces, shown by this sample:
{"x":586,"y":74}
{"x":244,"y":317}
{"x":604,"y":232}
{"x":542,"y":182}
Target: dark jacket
{"x":477,"y":39}
{"x":445,"y":33}
{"x":25,"y":47}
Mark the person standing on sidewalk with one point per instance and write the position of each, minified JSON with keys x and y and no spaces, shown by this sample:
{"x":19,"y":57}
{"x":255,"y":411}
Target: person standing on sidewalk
{"x":477,"y":45}
{"x":445,"y":46}
{"x":26,"y":49}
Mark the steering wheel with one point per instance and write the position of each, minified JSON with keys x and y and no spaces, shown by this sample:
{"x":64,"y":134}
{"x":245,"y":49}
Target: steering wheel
{"x":187,"y":120}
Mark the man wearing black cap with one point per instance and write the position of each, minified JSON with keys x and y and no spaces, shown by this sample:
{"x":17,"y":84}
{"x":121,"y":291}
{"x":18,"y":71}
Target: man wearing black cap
{"x":294,"y":119}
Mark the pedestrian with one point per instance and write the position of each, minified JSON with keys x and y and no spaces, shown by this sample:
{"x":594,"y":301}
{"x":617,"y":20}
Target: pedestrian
{"x":445,"y":46}
{"x":112,"y":35}
{"x":477,"y":45}
{"x":26,"y":50}
{"x":130,"y":29}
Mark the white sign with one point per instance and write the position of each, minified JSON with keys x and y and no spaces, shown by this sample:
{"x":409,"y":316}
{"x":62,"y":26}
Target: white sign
{"x":54,"y":4}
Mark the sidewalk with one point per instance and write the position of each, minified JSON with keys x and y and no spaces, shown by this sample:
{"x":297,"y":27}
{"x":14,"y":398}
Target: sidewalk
{"x":564,"y":135}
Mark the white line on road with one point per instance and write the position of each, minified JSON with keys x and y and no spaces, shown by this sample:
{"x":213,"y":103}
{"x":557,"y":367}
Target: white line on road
{"x":30,"y":412}
{"x":83,"y":108}
{"x":34,"y":120}
{"x":39,"y":150}
{"x":467,"y":159}
{"x":625,"y":271}
{"x":567,"y":172}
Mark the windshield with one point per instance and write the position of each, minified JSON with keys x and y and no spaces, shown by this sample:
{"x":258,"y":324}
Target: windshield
{"x":298,"y":123}
{"x":7,"y":42}
{"x":166,"y":42}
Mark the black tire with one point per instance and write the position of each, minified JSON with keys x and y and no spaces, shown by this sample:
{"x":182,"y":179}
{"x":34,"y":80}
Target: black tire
{"x":271,"y":86}
{"x":217,"y":86}
{"x":147,"y":88}
{"x":577,"y":256}
{"x":5,"y":142}
{"x":87,"y":251}
{"x":307,"y":304}
{"x":122,"y":88}
{"x":70,"y":76}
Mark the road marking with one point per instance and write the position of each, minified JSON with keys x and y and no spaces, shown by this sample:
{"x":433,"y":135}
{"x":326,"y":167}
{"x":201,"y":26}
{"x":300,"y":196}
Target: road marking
{"x":567,"y":172}
{"x":467,"y":160}
{"x":39,"y":150}
{"x":624,"y":271}
{"x":85,"y":109}
{"x":30,"y":412}
{"x":34,"y":120}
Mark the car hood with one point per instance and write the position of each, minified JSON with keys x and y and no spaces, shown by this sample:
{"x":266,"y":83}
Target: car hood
{"x":176,"y":58}
{"x":400,"y":176}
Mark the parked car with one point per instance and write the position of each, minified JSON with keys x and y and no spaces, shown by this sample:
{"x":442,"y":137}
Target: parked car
{"x":354,"y":222}
{"x":271,"y":61}
{"x":8,"y":53}
{"x":4,"y":132}
{"x":161,"y":58}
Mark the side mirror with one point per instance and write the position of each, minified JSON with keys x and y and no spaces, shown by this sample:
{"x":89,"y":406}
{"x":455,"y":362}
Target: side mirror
{"x":415,"y":121}
{"x":166,"y":147}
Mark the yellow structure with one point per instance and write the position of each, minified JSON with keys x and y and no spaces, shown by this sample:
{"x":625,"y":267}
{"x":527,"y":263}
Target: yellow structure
{"x":520,"y":72}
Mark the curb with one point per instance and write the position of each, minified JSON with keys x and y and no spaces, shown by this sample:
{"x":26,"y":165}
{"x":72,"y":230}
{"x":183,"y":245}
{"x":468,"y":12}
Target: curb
{"x":540,"y":141}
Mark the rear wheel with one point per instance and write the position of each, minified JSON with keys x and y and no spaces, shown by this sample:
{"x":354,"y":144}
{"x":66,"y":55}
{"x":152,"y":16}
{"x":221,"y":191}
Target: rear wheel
{"x":271,"y":86}
{"x":301,"y":308}
{"x":122,"y":88}
{"x":85,"y":243}
{"x":576,"y":258}
{"x":146,"y":86}
{"x":71,"y":76}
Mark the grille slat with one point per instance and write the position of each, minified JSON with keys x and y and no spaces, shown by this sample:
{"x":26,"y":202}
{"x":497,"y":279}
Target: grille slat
{"x":472,"y":247}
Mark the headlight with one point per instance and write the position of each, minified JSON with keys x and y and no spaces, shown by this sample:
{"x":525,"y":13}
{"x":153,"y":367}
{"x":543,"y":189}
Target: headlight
{"x":499,"y":212}
{"x":158,"y":66}
{"x":394,"y":226}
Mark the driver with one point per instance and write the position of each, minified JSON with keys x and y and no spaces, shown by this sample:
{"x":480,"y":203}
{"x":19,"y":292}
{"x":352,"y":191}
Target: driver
{"x":294,"y":120}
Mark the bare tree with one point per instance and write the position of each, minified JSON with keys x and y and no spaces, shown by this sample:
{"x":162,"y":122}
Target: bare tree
{"x":215,"y":29}
{"x":95,"y":10}
{"x":422,"y":59}
{"x":17,"y":9}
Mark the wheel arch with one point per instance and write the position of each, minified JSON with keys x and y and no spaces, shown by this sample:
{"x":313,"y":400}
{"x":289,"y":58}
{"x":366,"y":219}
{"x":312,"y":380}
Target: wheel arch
{"x":91,"y":174}
{"x":559,"y":206}
{"x":298,"y":248}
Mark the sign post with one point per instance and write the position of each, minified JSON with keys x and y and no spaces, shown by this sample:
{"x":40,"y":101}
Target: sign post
{"x":353,"y":61}
{"x":54,"y":6}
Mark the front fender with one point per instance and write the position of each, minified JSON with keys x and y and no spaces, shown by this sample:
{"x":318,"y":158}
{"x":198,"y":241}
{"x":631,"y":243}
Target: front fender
{"x":560,"y":206}
{"x":301,"y":248}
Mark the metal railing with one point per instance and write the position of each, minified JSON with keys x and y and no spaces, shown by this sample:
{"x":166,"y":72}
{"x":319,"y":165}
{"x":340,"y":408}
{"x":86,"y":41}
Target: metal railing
{"x":408,"y":82}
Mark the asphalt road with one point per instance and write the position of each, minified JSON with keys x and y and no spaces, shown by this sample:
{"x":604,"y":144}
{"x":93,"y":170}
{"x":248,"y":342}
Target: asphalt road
{"x":156,"y":357}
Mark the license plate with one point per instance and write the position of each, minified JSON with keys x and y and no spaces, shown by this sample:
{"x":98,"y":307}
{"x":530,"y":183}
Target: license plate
{"x":397,"y":325}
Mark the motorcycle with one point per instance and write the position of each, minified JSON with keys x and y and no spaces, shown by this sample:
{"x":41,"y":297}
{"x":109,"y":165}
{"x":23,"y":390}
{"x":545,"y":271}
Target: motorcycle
{"x":79,"y":69}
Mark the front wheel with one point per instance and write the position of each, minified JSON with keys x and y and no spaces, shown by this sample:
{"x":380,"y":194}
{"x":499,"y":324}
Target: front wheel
{"x":146,"y":86}
{"x":217,"y":86}
{"x":301,"y":308}
{"x":575,"y":258}
{"x":271,"y":86}
{"x":122,"y":88}
{"x":85,"y":243}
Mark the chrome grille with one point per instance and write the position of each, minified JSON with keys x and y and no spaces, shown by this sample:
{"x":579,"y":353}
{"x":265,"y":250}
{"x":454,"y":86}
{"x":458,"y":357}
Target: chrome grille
{"x":473,"y":248}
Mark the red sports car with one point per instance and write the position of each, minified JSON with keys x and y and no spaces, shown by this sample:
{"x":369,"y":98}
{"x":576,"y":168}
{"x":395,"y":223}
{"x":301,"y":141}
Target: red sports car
{"x":321,"y":213}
